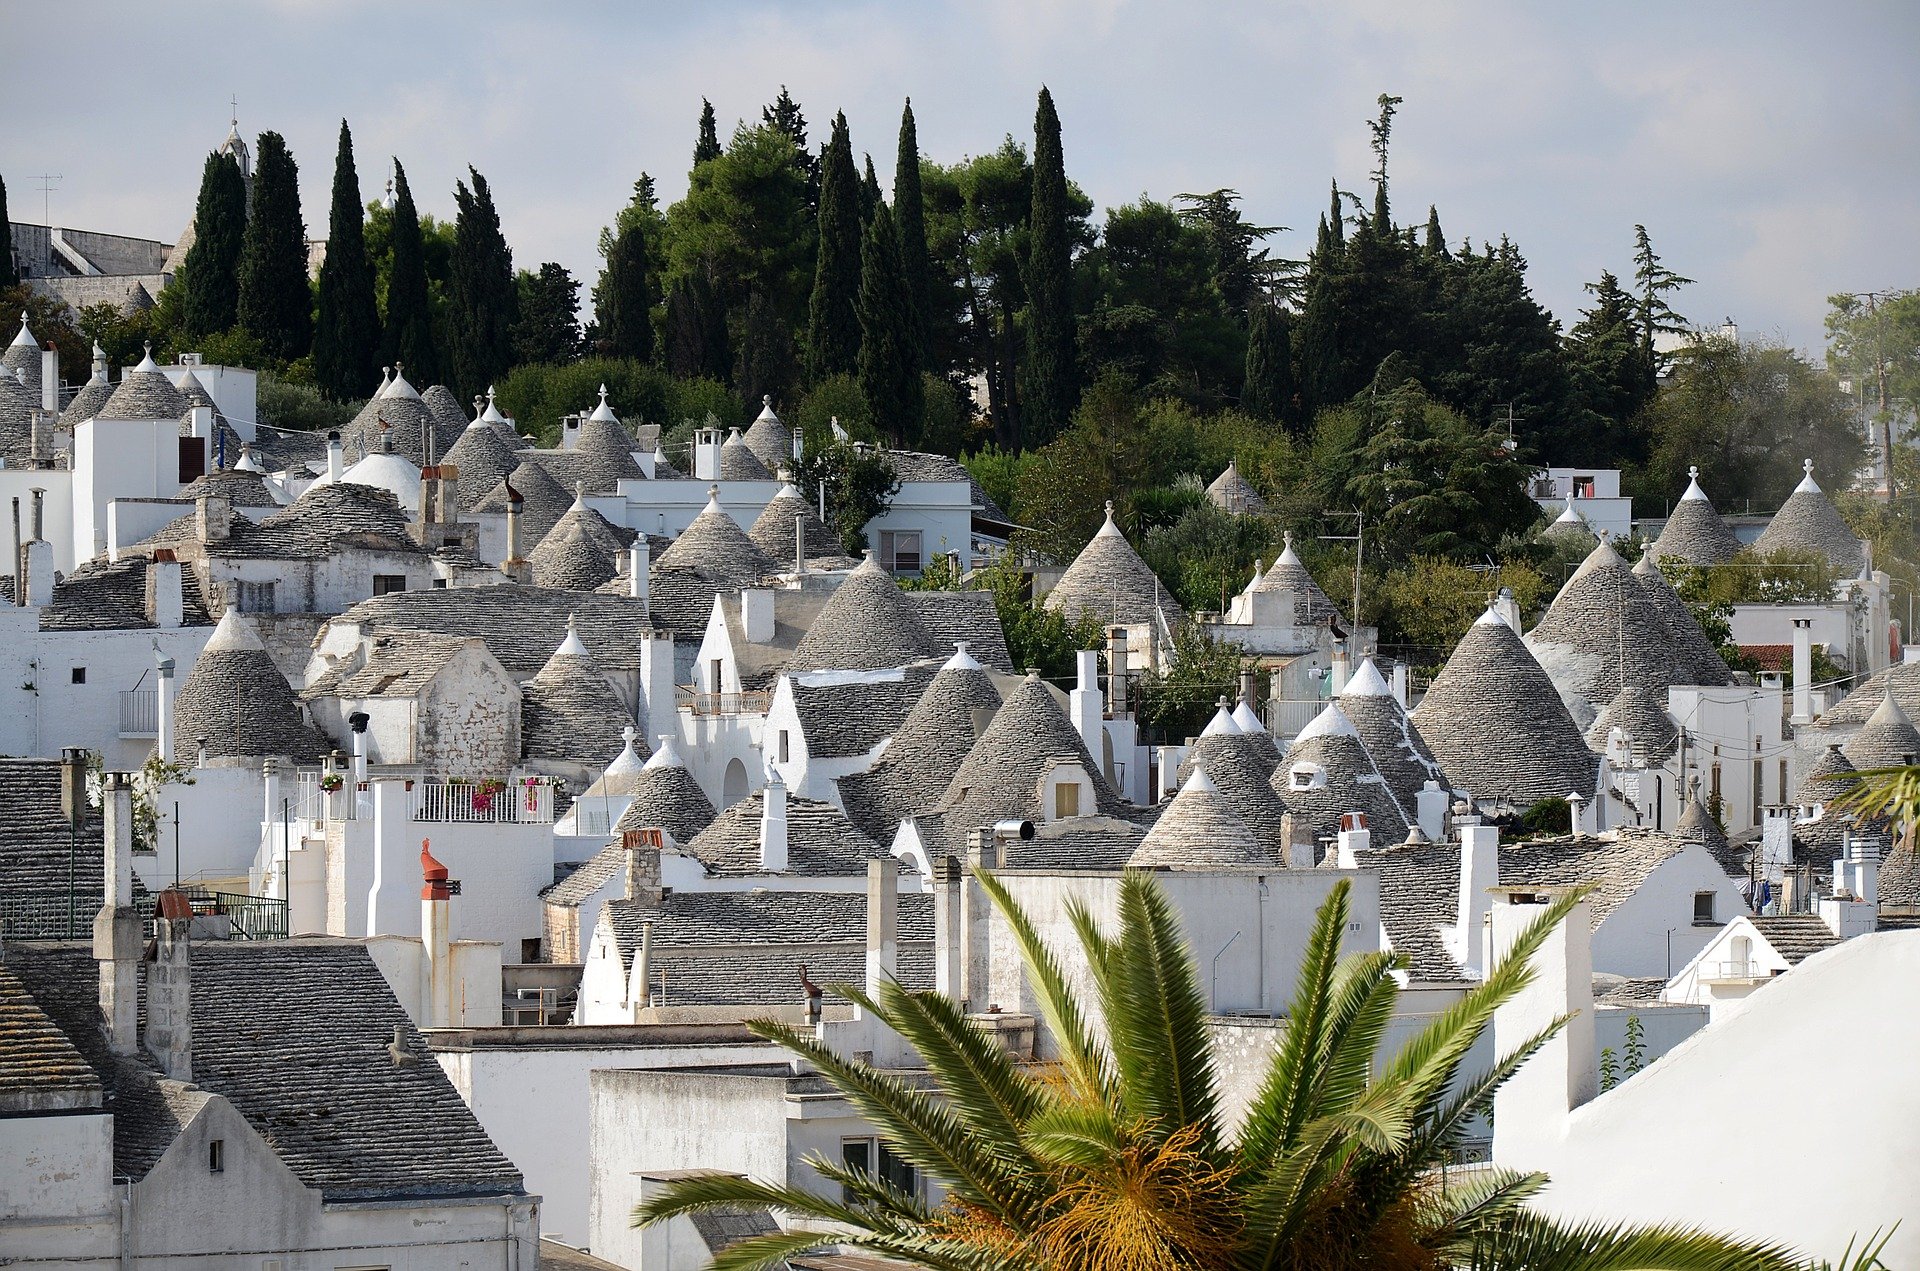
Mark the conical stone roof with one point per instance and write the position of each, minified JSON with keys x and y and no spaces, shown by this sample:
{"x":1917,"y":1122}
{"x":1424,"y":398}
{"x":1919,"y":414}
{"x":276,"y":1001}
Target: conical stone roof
{"x":92,"y":395}
{"x":581,"y":551}
{"x":769,"y":439}
{"x":1601,"y":631}
{"x":1808,"y":522}
{"x":1693,"y":652}
{"x":864,"y":626}
{"x":1346,"y":780}
{"x":1888,"y":739}
{"x":1697,"y":824}
{"x":543,"y":502}
{"x":772,"y":530}
{"x":492,"y":417}
{"x":1387,"y":732}
{"x":667,"y":797}
{"x":449,"y":416}
{"x":408,"y":420}
{"x":715,"y":546}
{"x":1242,"y":770}
{"x":739,"y":463}
{"x":1819,"y":784}
{"x":1230,"y":492}
{"x":23,"y":355}
{"x":1638,"y":712}
{"x":1899,"y":881}
{"x":1570,"y":523}
{"x":1694,"y":532}
{"x":1199,"y":830}
{"x":144,"y":393}
{"x":1310,"y":604}
{"x":603,"y":451}
{"x":570,"y":710}
{"x":237,"y":700}
{"x":1497,"y":725}
{"x":912,"y":773}
{"x":482,"y":459}
{"x":1109,"y":583}
{"x":622,"y":776}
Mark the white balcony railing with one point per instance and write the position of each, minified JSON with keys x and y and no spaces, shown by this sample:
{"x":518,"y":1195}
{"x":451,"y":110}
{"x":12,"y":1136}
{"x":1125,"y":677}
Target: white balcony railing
{"x":139,"y":712}
{"x":519,"y":799}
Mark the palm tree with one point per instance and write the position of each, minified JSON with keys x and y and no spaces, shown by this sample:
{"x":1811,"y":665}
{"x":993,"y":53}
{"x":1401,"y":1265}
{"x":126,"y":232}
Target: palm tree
{"x":1115,"y":1156}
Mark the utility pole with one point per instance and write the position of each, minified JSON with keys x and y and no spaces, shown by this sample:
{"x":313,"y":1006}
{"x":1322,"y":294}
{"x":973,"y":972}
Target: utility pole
{"x":1358,"y":539}
{"x":49,"y":182}
{"x":1873,"y":299}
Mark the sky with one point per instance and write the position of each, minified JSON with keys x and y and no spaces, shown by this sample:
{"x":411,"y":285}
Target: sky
{"x":1772,"y":150}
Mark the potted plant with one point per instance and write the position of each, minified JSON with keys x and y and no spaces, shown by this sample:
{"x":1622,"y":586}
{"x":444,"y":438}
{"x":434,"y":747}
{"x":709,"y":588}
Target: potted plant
{"x":483,"y":794}
{"x":331,"y":782}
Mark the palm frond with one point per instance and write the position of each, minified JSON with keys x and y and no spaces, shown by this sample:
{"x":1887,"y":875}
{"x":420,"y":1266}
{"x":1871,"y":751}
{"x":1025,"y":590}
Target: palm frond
{"x":1157,"y":1019}
{"x":1083,"y":1062}
{"x":1529,"y":1241}
{"x":1893,"y":793}
{"x":1489,"y":1197}
{"x":1280,"y":1198}
{"x":982,"y":1083}
{"x":1081,"y":1135}
{"x":1282,"y":1105}
{"x":1363,"y":998}
{"x":920,"y":1128}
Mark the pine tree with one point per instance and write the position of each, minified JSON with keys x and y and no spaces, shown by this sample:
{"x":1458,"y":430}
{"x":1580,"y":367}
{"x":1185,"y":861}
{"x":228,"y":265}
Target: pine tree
{"x":210,"y":303}
{"x":708,"y":146}
{"x":547,"y":329}
{"x":697,"y":331}
{"x":1611,"y":379}
{"x":346,"y":340}
{"x":889,"y":364}
{"x":276,"y":299}
{"x":408,"y":333}
{"x":1655,"y":280}
{"x":622,"y":303}
{"x":765,"y":365}
{"x":910,"y":224}
{"x":1269,"y":390}
{"x":833,"y":326}
{"x":9,"y":273}
{"x":1050,"y":382}
{"x":481,"y":299}
{"x":1382,"y":130}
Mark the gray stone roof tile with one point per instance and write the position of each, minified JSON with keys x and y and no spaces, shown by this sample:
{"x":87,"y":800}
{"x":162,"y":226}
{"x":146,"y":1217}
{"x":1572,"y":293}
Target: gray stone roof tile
{"x":866,"y":625}
{"x":666,"y":797}
{"x":769,"y":439}
{"x":772,"y":530}
{"x":1231,"y":492}
{"x":570,"y":711}
{"x":1795,"y":937}
{"x":1310,"y":604}
{"x":1809,"y":522}
{"x":1346,"y":780}
{"x":929,"y":746}
{"x":821,"y":841}
{"x":1109,"y":583}
{"x":1603,"y":630}
{"x":739,"y":463}
{"x":1694,"y":653}
{"x":1694,"y":533}
{"x":1200,"y":830}
{"x":1638,"y":712}
{"x":1387,"y":733}
{"x":1887,"y":740}
{"x":522,"y":625}
{"x":918,"y":465}
{"x":482,"y":458}
{"x":237,"y":700}
{"x":543,"y":501}
{"x":841,"y":720}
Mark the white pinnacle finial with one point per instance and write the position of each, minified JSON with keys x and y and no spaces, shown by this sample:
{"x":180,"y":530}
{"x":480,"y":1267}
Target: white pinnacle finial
{"x":1807,"y":484}
{"x":603,"y":392}
{"x":766,"y":399}
{"x":1805,"y":463}
{"x":1693,"y":472}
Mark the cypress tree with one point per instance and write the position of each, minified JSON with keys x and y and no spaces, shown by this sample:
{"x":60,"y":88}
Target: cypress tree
{"x":697,"y":331}
{"x":1051,"y":379}
{"x":481,"y":299}
{"x":276,"y":300}
{"x":9,"y":275}
{"x":547,"y":328}
{"x":1436,"y":242}
{"x":1269,"y":386}
{"x":869,"y":193}
{"x":889,"y":365}
{"x":708,"y":146}
{"x":833,"y":326}
{"x":212,"y":268}
{"x":765,"y":365}
{"x":1337,"y":221}
{"x":346,"y":341}
{"x":622,"y":301}
{"x":409,"y":326}
{"x":910,"y":224}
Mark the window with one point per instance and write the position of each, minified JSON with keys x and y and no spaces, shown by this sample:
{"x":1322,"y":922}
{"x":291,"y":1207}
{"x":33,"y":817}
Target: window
{"x":216,"y":1156}
{"x":783,"y":746}
{"x":193,"y":459}
{"x":713,"y":680}
{"x":79,"y":675}
{"x":900,"y":550}
{"x":385,"y":584}
{"x":1714,"y":786}
{"x":1703,"y":909}
{"x":253,"y":597}
{"x":1066,"y":799}
{"x":1759,"y":779}
{"x":871,"y":1156}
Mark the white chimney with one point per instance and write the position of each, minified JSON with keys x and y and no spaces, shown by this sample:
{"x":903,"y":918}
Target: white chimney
{"x":1354,"y":838}
{"x":163,"y":704}
{"x":773,"y":827}
{"x":639,"y":562}
{"x":116,"y":929}
{"x":436,"y":939}
{"x":658,"y":713}
{"x":756,"y":614}
{"x":357,"y":725}
{"x":1430,"y":810}
{"x":39,"y":573}
{"x":1508,"y":608}
{"x":336,"y":459}
{"x":706,"y":454}
{"x":1479,"y":875}
{"x":1400,"y":684}
{"x":50,"y":380}
{"x":1802,"y":672}
{"x":883,"y":923}
{"x":1337,"y":678}
{"x":1084,"y":704}
{"x":1530,"y":1111}
{"x":169,"y":598}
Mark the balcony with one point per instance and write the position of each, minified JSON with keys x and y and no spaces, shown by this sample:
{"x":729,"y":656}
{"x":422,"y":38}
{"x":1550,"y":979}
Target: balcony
{"x":1748,"y":972}
{"x":720,"y":704}
{"x":139,"y":713}
{"x":515,"y":800}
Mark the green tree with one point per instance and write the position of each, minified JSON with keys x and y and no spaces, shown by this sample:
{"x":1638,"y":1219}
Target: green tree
{"x":764,"y":366}
{"x":1611,"y":380}
{"x":1497,"y":350}
{"x":707,"y":147}
{"x":480,"y":293}
{"x":744,"y":226}
{"x":1065,"y":487}
{"x":408,"y":332}
{"x":9,"y":272}
{"x":1050,"y":385}
{"x":888,"y":365}
{"x":860,"y":485}
{"x":869,"y":193}
{"x":1267,"y":387}
{"x":1037,"y":636}
{"x":784,"y":113}
{"x":547,"y":328}
{"x":623,"y":302}
{"x":696,"y":330}
{"x":910,"y":223}
{"x":1157,"y":316}
{"x":276,"y":300}
{"x":1873,"y":342}
{"x":346,"y":340}
{"x":211,"y":272}
{"x":833,"y":323}
{"x":1241,"y":274}
{"x":1654,"y":280}
{"x":1118,"y":1155}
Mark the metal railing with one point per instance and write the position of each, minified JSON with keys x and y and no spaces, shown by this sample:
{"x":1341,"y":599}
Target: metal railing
{"x":512,"y":800}
{"x":754,"y":703}
{"x":249,"y":917}
{"x":46,"y":917}
{"x":139,"y":712}
{"x":1733,"y":970}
